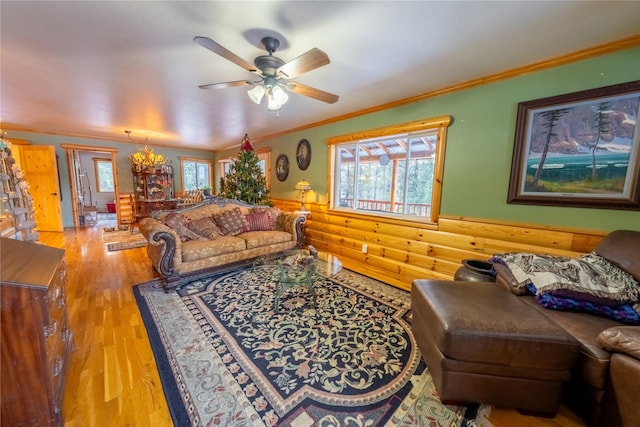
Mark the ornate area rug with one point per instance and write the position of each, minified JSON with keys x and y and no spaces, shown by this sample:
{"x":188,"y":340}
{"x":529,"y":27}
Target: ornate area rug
{"x":227,"y":358}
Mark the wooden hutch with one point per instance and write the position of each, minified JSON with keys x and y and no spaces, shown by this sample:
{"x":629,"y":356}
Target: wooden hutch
{"x":153,"y":189}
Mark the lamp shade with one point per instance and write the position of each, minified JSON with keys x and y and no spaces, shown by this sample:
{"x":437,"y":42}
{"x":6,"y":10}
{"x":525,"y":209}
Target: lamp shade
{"x":277,"y":98}
{"x":303,"y":185}
{"x":256,"y":93}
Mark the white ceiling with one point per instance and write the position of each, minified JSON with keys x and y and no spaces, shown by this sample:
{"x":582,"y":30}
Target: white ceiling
{"x":97,"y":68}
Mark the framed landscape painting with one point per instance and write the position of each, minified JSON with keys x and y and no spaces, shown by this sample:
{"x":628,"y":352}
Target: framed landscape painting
{"x":580,"y":149}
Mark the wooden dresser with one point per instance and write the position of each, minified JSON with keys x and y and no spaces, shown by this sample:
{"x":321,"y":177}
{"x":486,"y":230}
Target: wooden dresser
{"x":36,"y":340}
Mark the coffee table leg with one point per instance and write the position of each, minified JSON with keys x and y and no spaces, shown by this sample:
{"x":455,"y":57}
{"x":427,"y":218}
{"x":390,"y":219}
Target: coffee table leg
{"x":312,"y":289}
{"x":276,"y":304}
{"x":282,"y":288}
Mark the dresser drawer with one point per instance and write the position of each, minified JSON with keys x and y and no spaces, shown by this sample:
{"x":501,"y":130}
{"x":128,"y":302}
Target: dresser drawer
{"x":58,"y":335}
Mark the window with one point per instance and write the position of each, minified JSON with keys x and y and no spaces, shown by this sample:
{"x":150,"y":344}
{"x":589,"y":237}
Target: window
{"x":104,"y":175}
{"x":196,"y":173}
{"x":264,"y":160}
{"x":393,"y":171}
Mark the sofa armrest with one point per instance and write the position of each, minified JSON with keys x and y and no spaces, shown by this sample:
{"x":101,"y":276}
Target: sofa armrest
{"x":164,"y":246}
{"x":292,"y":223}
{"x":620,"y":406}
{"x":621,"y":339}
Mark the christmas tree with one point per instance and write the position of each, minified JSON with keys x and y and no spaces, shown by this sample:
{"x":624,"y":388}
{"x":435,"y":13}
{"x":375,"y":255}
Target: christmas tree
{"x":245,"y":180}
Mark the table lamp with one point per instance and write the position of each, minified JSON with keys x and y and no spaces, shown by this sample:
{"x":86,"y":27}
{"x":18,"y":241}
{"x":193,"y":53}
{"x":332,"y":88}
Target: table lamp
{"x":303,"y":186}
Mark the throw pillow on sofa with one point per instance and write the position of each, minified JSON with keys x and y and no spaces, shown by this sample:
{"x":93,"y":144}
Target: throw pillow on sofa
{"x":274,"y":215}
{"x":232,"y":222}
{"x":178,"y":223}
{"x":205,"y":227}
{"x":259,"y":221}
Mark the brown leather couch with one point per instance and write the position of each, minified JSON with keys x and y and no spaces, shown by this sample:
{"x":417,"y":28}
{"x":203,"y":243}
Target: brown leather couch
{"x":586,"y":390}
{"x":620,"y":406}
{"x":602,"y":388}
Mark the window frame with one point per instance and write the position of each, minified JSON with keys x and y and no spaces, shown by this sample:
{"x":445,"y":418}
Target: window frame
{"x":208,"y":162}
{"x":96,"y":167}
{"x":438,"y":124}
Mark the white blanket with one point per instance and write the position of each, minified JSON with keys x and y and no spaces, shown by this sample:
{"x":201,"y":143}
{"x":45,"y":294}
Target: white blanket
{"x":590,"y":277}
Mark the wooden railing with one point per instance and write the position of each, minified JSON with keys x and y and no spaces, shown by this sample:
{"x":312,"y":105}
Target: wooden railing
{"x":417,"y":209}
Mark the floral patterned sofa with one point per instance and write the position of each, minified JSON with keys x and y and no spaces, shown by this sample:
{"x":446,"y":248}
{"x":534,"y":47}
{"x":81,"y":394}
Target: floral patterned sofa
{"x":215,"y":235}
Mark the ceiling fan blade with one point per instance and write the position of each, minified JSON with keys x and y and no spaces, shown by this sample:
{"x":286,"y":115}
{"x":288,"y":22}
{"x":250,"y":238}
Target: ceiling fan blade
{"x":214,"y":47}
{"x":225,"y":85}
{"x":311,"y":92}
{"x":310,"y":60}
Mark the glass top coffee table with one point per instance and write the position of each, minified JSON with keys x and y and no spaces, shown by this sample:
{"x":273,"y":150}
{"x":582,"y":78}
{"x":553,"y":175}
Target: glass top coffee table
{"x":298,"y":267}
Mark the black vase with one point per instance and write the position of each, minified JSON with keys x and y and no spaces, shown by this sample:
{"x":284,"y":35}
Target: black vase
{"x":474,"y":270}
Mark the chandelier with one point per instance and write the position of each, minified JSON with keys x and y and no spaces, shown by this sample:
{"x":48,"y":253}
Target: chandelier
{"x":145,"y":155}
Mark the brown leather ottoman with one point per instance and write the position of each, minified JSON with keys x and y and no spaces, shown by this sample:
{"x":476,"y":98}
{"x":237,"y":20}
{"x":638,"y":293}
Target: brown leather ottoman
{"x":481,"y":344}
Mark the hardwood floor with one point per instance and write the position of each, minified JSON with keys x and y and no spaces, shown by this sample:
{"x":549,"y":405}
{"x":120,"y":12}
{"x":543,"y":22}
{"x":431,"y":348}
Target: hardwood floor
{"x":113,"y":379}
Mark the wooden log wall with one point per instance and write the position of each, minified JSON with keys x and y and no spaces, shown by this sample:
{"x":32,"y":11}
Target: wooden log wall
{"x":400,"y":251}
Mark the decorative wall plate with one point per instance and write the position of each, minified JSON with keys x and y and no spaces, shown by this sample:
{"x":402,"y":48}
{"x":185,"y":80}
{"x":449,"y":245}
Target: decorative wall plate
{"x":282,"y":167}
{"x":303,"y":154}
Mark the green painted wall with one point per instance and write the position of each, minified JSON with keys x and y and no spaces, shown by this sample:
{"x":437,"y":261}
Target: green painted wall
{"x":479,"y":145}
{"x":123,"y":165}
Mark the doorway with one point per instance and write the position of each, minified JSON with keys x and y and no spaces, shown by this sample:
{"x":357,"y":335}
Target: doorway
{"x":92,"y":203}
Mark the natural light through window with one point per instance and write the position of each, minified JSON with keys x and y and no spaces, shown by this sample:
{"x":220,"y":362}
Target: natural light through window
{"x":196,"y":173}
{"x":393,"y":174}
{"x":104,"y":175}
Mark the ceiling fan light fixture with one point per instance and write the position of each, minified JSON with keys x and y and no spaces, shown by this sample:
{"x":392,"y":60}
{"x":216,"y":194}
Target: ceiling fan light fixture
{"x":256,"y":93}
{"x":277,"y":98}
{"x":272,"y":105}
{"x":271,"y":70}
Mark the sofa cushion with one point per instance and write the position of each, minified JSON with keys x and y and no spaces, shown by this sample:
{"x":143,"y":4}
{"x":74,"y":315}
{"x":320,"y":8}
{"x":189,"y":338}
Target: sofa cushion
{"x":257,"y":239}
{"x":199,"y":249}
{"x":593,"y":364}
{"x":178,"y":223}
{"x":232,"y":222}
{"x":622,"y":247}
{"x":259,"y":221}
{"x":205,"y":227}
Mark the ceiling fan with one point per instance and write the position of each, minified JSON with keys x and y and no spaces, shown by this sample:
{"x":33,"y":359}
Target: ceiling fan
{"x":274,"y":73}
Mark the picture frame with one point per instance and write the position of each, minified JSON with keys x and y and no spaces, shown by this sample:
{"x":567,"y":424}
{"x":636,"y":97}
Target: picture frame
{"x":282,"y":167}
{"x":303,"y":154}
{"x":580,"y":149}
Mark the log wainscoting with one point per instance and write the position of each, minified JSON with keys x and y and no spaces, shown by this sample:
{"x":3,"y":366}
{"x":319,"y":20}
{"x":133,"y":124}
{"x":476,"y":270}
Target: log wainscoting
{"x":399,"y":251}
